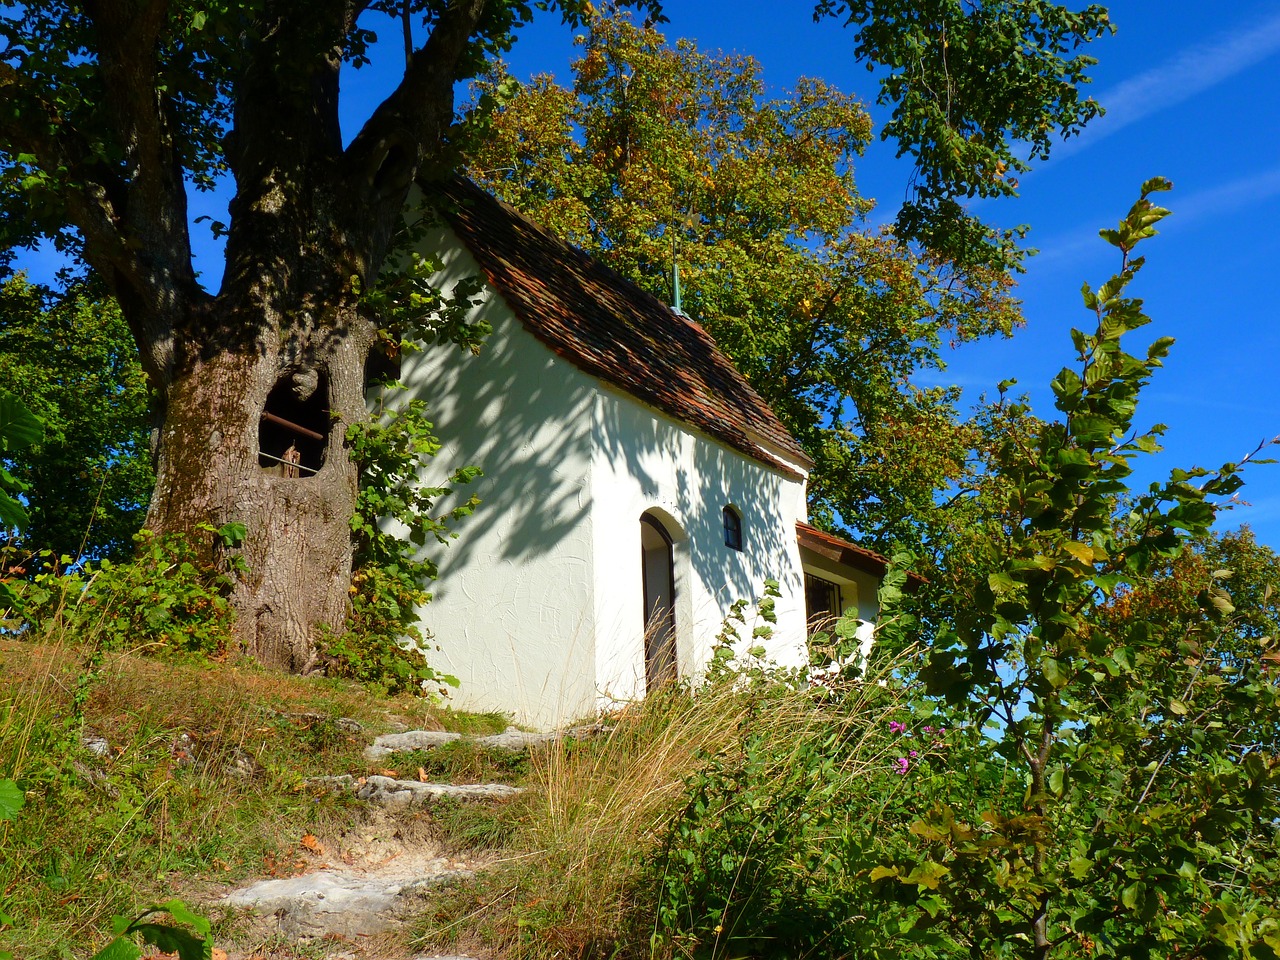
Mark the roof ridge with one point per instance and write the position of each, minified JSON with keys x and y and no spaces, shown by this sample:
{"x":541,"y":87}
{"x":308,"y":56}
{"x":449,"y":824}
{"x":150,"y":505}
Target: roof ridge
{"x":470,"y":186}
{"x":612,"y":328}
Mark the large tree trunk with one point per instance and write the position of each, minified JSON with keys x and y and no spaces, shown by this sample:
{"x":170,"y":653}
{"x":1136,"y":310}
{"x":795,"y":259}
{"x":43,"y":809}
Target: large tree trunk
{"x":311,"y":222}
{"x":211,"y":469}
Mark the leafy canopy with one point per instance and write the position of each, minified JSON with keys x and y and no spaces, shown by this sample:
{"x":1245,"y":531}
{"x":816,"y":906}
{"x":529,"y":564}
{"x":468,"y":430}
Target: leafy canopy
{"x":979,"y":90}
{"x":72,"y":361}
{"x":666,"y":157}
{"x":60,"y":66}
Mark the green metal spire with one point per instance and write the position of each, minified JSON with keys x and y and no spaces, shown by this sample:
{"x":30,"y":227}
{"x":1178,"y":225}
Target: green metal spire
{"x":675,"y":276}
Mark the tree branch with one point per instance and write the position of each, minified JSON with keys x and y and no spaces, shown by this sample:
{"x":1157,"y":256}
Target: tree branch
{"x":410,"y":124}
{"x":157,"y":285}
{"x":56,"y":146}
{"x":285,"y":153}
{"x":96,"y":198}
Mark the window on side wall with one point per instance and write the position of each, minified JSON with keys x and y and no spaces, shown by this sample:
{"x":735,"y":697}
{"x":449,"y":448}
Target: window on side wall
{"x":732,"y":529}
{"x":822,"y":601}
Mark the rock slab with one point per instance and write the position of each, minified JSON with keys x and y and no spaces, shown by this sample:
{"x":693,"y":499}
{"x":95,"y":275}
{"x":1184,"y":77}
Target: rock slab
{"x":334,"y":901}
{"x":399,"y":794}
{"x":510,"y":740}
{"x":409,"y":740}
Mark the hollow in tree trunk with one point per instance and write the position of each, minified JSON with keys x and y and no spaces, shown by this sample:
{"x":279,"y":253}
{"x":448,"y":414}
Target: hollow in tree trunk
{"x":291,"y":484}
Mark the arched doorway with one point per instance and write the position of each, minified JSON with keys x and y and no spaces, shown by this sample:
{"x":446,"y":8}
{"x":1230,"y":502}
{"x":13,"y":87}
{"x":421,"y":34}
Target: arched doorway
{"x":658,"y":566}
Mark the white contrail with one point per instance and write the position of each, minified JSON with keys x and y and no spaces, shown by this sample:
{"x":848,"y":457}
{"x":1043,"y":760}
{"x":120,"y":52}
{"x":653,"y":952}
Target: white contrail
{"x":1227,"y":196}
{"x":1178,"y":79}
{"x":1072,"y":246}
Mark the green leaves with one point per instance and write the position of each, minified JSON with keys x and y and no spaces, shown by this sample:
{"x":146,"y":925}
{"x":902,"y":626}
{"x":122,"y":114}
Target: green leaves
{"x":164,"y":937}
{"x":1140,"y":223}
{"x":391,"y":571}
{"x":72,"y":361}
{"x":19,"y":428}
{"x":976,"y":87}
{"x":11,"y":800}
{"x":1102,"y":654}
{"x":926,"y":875}
{"x":119,"y":949}
{"x":415,"y":312}
{"x":231,"y":535}
{"x":1055,"y":672}
{"x":171,"y":597}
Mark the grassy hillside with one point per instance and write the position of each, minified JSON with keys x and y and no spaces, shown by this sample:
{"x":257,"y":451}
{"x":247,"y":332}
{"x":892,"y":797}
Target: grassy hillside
{"x":146,"y":779}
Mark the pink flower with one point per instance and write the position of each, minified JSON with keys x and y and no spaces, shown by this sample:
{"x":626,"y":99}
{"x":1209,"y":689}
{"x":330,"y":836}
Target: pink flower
{"x":903,"y":765}
{"x":896,"y":727}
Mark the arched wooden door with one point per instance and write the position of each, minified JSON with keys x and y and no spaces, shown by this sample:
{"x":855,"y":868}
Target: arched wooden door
{"x":658,"y":555}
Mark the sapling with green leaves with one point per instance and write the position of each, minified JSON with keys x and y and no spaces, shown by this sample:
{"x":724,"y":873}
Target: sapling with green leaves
{"x":1131,"y":763}
{"x":395,"y":517}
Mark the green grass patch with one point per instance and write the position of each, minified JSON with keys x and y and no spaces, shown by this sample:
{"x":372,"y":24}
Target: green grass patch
{"x":475,"y":724}
{"x":462,"y":761}
{"x":145,"y":779}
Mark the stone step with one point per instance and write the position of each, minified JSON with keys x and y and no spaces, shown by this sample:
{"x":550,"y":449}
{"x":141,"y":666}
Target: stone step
{"x":338,"y":902}
{"x":511,"y":740}
{"x":398,"y":794}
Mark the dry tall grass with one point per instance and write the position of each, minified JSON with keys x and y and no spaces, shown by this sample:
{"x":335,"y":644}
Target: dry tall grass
{"x":596,"y":810}
{"x":104,"y":833}
{"x":148,"y":778}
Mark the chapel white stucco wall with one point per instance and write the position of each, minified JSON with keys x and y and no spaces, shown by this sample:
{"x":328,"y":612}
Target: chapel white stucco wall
{"x":643,"y":461}
{"x":512,"y":611}
{"x":539,"y":607}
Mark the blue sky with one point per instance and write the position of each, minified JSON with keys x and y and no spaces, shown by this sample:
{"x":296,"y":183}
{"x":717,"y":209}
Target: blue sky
{"x":1193,"y":94}
{"x":1190,"y":96}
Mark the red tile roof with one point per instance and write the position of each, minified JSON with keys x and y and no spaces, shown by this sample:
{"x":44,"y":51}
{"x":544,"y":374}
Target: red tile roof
{"x":608,"y":327}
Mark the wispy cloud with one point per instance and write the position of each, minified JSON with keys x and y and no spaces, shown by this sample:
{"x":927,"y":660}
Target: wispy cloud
{"x":1226,"y":197}
{"x":1070,"y":248}
{"x":1190,"y":72}
{"x":1262,"y":514}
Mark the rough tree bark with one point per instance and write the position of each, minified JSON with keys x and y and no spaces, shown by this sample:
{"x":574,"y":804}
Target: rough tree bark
{"x":311,"y":222}
{"x":298,"y":548}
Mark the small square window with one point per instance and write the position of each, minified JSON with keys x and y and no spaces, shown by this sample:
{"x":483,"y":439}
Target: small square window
{"x":822,"y":601}
{"x":732,"y":529}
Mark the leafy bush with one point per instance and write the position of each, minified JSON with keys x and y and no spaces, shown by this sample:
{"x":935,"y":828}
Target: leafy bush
{"x":170,"y":598}
{"x":1109,"y":782}
{"x":763,"y":857}
{"x":383,"y":642}
{"x":741,"y":872}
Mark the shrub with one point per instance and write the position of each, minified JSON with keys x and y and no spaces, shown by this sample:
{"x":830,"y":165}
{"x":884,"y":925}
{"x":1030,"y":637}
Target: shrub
{"x":170,"y":598}
{"x":394,"y":520}
{"x":1110,"y":783}
{"x":763,"y":858}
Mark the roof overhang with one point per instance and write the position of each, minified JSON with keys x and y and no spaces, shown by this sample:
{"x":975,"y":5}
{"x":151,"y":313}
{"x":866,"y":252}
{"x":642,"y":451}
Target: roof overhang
{"x":847,"y":554}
